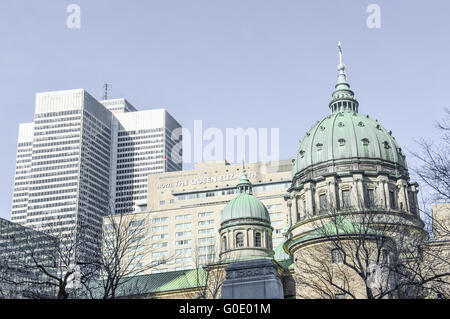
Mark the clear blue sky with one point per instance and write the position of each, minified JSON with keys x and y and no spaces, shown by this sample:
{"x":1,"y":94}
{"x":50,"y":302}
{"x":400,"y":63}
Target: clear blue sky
{"x":230,"y":63}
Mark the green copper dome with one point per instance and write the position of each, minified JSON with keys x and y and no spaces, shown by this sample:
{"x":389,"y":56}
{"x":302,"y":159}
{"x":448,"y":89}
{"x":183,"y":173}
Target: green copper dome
{"x":346,"y":134}
{"x":245,"y":205}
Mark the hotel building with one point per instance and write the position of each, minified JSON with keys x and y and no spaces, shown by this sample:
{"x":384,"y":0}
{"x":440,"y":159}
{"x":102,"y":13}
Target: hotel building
{"x":183,"y":213}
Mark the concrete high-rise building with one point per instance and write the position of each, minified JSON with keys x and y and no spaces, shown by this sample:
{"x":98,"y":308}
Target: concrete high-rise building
{"x":142,"y":144}
{"x":81,"y":159}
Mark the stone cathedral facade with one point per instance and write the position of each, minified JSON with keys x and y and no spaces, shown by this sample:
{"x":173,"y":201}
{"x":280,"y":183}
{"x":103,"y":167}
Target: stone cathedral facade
{"x":353,"y":223}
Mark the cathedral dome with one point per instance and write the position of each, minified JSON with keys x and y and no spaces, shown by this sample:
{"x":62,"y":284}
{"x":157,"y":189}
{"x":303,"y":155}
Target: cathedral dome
{"x":245,"y":206}
{"x":347,"y":135}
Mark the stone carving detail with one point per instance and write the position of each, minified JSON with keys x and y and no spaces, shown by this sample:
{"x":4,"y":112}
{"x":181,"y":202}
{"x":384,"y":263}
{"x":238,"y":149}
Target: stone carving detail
{"x":250,"y":273}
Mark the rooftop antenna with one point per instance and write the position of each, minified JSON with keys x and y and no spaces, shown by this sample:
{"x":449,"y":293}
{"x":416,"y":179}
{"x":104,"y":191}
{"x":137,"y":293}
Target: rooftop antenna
{"x":106,"y":87}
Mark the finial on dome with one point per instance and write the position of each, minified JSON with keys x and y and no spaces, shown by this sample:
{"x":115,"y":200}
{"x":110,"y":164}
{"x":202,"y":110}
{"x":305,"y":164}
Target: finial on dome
{"x":341,"y":66}
{"x":343,"y":98}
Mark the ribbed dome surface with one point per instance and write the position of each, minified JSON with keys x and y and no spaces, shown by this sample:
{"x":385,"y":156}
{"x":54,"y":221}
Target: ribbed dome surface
{"x":347,"y":135}
{"x":245,"y":206}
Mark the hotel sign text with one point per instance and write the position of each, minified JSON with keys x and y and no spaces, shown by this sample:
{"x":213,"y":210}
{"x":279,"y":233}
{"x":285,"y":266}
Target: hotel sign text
{"x":205,"y":180}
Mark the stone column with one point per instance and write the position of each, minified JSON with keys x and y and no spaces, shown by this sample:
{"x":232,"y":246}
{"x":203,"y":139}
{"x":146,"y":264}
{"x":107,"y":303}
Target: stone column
{"x":386,"y":195}
{"x":295,"y":212}
{"x":247,"y":239}
{"x":309,"y":195}
{"x":359,"y":190}
{"x":332,"y":200}
{"x":403,"y":194}
{"x":354,"y":193}
{"x":289,"y":207}
{"x":414,"y":192}
{"x":251,"y":235}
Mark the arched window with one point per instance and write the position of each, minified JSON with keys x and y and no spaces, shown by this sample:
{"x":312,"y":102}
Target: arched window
{"x":258,"y":241}
{"x":224,"y":243}
{"x":346,"y":199}
{"x":239,"y":240}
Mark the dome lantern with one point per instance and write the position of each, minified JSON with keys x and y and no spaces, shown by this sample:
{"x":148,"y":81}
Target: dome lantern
{"x":244,"y":186}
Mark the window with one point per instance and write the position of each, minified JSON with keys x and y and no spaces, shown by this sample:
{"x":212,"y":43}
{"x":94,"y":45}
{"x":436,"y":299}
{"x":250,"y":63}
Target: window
{"x":257,"y":239}
{"x":346,"y":199}
{"x":184,"y":251}
{"x":206,"y":240}
{"x":136,"y":239}
{"x":183,"y":260}
{"x":160,"y":236}
{"x":275,"y":206}
{"x":336,"y":256}
{"x":159,"y":245}
{"x":183,"y":217}
{"x":224,"y":243}
{"x":206,"y":231}
{"x":183,"y":225}
{"x":323,"y":202}
{"x":183,"y":233}
{"x":160,"y":228}
{"x":392,"y":199}
{"x":160,"y":254}
{"x":183,"y":242}
{"x":136,"y":223}
{"x":206,"y":249}
{"x":278,"y":223}
{"x":205,"y":214}
{"x":160,"y":219}
{"x":370,"y":200}
{"x":239,"y":240}
{"x":275,"y":215}
{"x":206,"y":222}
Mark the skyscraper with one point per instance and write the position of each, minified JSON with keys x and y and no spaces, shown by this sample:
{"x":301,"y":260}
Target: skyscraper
{"x":77,"y":152}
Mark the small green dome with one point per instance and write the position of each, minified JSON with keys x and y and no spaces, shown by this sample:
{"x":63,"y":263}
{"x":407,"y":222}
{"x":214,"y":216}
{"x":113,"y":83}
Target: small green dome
{"x":245,"y":206}
{"x":347,"y":135}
